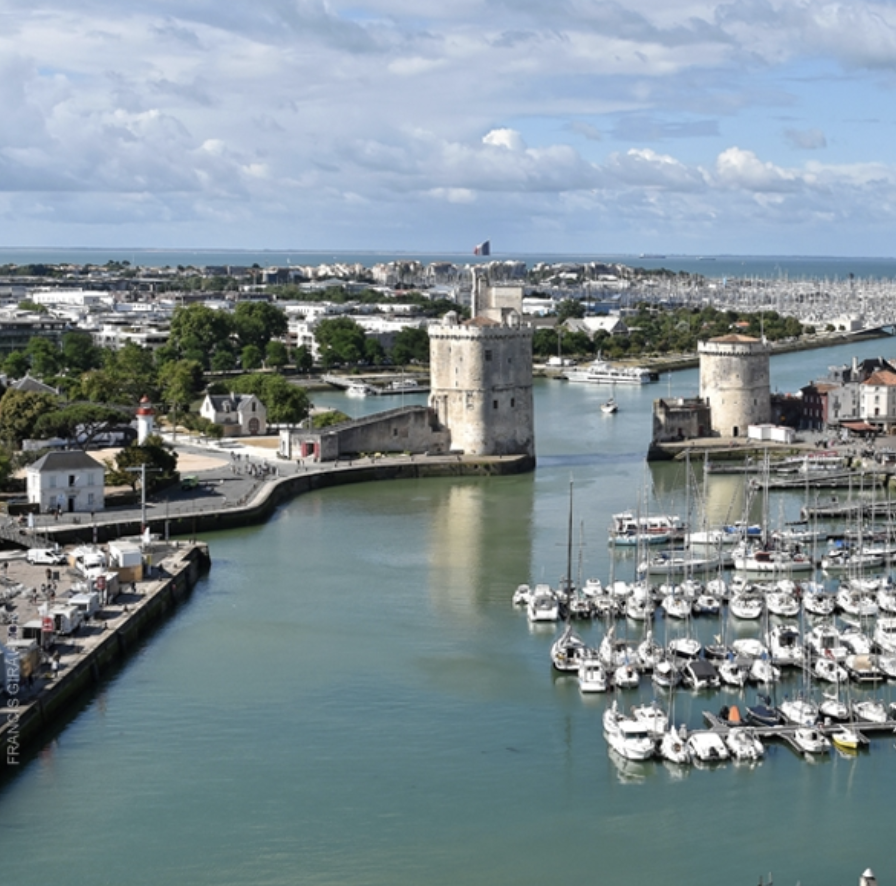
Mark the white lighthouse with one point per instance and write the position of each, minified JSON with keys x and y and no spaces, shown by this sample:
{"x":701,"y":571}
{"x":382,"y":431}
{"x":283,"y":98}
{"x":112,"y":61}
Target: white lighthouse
{"x":145,"y":420}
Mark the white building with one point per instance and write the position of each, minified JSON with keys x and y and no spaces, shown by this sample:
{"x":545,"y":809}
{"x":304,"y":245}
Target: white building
{"x":238,"y":414}
{"x":71,"y":481}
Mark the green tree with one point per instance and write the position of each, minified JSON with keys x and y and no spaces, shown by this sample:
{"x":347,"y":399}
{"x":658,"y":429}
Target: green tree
{"x":44,"y":356}
{"x":79,"y":421}
{"x":411,"y":345}
{"x":569,"y":308}
{"x":285,"y":403}
{"x":303,"y":358}
{"x":16,"y":365}
{"x":256,"y":323}
{"x":373,"y":351}
{"x":275,"y":355}
{"x":19,"y":413}
{"x":251,"y":357}
{"x":79,"y":353}
{"x":340,"y":339}
{"x":160,"y":461}
{"x":198,"y":332}
{"x":181,"y":382}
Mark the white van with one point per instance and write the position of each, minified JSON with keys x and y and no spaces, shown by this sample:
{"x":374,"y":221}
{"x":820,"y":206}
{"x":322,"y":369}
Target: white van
{"x":45,"y":557}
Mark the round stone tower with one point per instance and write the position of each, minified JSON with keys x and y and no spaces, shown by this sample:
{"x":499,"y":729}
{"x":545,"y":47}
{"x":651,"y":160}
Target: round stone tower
{"x":734,"y":380}
{"x":481,"y":383}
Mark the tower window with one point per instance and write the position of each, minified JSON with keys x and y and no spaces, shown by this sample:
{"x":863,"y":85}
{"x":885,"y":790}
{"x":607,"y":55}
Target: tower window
{"x":512,"y":402}
{"x":488,"y":356}
{"x":494,"y":404}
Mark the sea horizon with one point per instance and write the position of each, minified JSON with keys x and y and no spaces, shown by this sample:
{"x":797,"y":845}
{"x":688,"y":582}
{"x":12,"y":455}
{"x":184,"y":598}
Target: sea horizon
{"x":718,"y":265}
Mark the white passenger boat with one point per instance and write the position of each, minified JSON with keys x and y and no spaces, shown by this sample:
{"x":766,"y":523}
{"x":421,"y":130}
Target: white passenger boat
{"x":785,"y":646}
{"x":810,"y":741}
{"x":601,"y":372}
{"x":630,"y":529}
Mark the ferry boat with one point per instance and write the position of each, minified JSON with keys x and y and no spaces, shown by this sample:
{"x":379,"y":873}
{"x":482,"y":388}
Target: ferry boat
{"x":632,"y":529}
{"x":601,"y":372}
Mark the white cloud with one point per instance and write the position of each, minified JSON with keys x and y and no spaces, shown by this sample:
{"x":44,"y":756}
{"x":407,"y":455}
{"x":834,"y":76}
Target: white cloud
{"x":806,"y":139}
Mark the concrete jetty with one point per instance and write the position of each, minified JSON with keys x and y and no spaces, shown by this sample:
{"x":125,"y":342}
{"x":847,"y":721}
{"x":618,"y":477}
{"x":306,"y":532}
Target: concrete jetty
{"x":78,"y":662}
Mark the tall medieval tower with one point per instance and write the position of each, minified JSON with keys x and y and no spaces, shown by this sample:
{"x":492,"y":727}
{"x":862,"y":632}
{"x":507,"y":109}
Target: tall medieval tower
{"x":481,"y":375}
{"x":734,"y":381}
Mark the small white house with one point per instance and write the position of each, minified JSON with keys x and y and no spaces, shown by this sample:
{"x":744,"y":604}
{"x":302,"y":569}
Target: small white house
{"x":70,"y":481}
{"x":238,"y":414}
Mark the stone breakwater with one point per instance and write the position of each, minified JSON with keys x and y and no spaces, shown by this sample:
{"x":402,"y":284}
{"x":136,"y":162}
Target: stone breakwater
{"x":79,"y":662}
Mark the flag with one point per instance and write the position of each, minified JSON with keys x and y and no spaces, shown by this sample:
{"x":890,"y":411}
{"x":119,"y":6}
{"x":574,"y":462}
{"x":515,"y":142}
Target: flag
{"x":484,"y":248}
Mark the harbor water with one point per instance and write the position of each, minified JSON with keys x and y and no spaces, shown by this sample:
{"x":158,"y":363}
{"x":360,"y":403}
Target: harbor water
{"x":350,"y":698}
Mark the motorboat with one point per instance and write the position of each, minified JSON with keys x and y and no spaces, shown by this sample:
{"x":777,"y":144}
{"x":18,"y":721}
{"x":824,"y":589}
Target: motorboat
{"x":845,"y":738}
{"x":665,"y":674}
{"x":359,"y":389}
{"x":810,"y":740}
{"x":580,"y":606}
{"x":543,"y":604}
{"x":521,"y":595}
{"x":707,"y":747}
{"x":592,"y":676}
{"x":763,"y":713}
{"x":673,"y":746}
{"x":630,"y":738}
{"x":602,"y":372}
{"x":568,"y":651}
{"x":706,"y":604}
{"x":684,"y":648}
{"x":829,"y":670}
{"x":799,"y":711}
{"x":855,"y":641}
{"x":884,"y":635}
{"x":626,"y":676}
{"x":823,"y":640}
{"x":863,"y":668}
{"x":887,"y":664}
{"x":785,"y":646}
{"x":744,"y":745}
{"x":609,"y":407}
{"x":749,"y":647}
{"x":870,"y":710}
{"x":762,"y":671}
{"x":653,"y":716}
{"x":698,"y":673}
{"x":732,"y":673}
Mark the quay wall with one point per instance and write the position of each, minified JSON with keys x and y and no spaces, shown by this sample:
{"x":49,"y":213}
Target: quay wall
{"x":275,"y":492}
{"x":103,"y":650}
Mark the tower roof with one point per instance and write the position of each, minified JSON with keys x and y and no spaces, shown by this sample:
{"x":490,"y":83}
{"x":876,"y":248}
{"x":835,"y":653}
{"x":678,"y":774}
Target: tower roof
{"x":735,"y":338}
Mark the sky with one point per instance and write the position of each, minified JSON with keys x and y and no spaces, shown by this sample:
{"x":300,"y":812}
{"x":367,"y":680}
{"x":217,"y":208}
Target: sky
{"x":753,"y":127}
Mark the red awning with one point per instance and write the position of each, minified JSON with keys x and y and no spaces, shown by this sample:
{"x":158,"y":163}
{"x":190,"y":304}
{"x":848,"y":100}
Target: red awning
{"x":859,"y":427}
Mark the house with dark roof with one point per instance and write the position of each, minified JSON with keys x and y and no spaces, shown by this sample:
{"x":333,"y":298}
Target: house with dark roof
{"x":71,"y":481}
{"x":239,"y":414}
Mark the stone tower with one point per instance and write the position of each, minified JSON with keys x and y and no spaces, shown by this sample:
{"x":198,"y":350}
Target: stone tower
{"x":481,"y":375}
{"x":734,"y":381}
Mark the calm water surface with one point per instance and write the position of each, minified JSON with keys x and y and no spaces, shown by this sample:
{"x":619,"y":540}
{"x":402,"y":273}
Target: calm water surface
{"x":349,"y":698}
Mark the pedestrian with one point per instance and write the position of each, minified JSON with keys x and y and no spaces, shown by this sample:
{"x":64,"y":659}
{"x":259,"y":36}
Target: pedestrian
{"x":55,"y":666}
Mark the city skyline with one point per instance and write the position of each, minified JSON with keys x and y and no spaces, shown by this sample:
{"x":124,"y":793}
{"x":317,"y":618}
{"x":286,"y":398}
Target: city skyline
{"x":699,"y":127}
